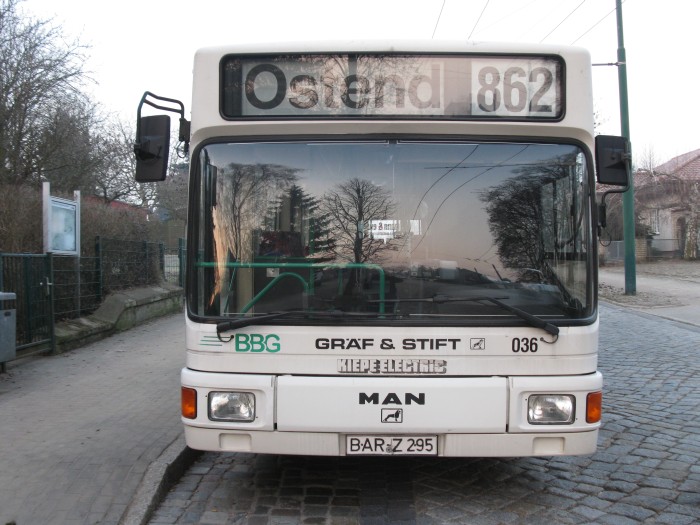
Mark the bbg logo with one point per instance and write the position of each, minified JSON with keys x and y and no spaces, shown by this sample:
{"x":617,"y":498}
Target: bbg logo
{"x":257,"y":343}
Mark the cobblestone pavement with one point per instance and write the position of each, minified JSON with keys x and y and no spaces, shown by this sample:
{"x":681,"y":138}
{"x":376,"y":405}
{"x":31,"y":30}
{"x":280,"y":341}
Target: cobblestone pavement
{"x":646,"y":470}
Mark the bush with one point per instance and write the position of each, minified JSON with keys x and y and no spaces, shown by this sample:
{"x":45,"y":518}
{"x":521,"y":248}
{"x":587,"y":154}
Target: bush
{"x":21,"y":223}
{"x":115,"y":221}
{"x":20,"y":219}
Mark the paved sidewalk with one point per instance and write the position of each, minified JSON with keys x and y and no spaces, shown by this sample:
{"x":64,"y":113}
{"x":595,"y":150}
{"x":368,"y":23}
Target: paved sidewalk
{"x":668,"y":289}
{"x":80,"y":430}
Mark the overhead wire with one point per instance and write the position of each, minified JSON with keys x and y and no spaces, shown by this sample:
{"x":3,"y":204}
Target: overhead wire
{"x":478,"y":19}
{"x":449,"y":170}
{"x":438,"y":19}
{"x":563,"y":20}
{"x":425,"y":233}
{"x":523,"y":7}
{"x":594,"y":25}
{"x":509,"y":14}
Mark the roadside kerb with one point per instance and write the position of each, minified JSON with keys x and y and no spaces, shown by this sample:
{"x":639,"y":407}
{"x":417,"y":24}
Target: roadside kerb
{"x":160,"y":477}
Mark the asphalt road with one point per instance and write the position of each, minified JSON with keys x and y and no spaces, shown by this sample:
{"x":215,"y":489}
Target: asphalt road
{"x":669,"y":289}
{"x":646,"y":470}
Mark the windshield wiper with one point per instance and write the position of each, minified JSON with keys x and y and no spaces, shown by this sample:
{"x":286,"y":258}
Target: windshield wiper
{"x":532,"y":320}
{"x":241,"y":322}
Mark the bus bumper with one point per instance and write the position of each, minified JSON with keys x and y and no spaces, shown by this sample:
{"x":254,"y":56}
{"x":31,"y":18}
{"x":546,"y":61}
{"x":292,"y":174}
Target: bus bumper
{"x":337,"y":416}
{"x":449,"y":445}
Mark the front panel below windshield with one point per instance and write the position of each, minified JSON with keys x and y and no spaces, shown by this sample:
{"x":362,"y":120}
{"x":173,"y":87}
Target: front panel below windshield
{"x":391,"y":232}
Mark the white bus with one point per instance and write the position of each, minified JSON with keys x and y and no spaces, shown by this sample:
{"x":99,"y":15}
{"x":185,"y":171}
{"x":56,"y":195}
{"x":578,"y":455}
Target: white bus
{"x":391,"y":248}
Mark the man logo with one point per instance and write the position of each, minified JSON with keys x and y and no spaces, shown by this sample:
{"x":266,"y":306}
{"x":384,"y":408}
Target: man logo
{"x":389,"y":415}
{"x":392,"y":399}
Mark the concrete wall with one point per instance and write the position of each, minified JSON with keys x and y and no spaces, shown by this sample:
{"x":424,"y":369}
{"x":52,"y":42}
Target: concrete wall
{"x":120,"y":311}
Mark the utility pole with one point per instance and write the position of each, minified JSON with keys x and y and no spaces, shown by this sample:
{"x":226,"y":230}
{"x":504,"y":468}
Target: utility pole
{"x":628,"y":196}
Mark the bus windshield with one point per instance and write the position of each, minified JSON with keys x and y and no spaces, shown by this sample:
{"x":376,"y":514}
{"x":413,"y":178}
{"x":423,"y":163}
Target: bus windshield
{"x":403,"y":231}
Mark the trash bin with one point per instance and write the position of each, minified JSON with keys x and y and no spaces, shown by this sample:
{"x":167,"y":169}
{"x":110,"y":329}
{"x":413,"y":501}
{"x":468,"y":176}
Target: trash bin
{"x":8,"y":327}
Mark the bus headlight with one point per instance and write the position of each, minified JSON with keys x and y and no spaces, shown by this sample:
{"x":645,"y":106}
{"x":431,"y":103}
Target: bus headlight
{"x":232,"y":406}
{"x":551,"y":409}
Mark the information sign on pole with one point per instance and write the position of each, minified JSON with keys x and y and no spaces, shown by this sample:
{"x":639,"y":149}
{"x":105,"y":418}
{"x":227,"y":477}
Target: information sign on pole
{"x":61,"y":223}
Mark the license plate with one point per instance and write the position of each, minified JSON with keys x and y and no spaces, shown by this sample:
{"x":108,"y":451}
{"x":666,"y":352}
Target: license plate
{"x":391,"y":445}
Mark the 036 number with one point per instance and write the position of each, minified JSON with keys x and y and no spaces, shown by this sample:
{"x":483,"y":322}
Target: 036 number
{"x":524,"y":344}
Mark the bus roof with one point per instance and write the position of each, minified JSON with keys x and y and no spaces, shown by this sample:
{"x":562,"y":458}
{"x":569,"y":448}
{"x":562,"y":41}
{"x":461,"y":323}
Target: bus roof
{"x":388,"y":46}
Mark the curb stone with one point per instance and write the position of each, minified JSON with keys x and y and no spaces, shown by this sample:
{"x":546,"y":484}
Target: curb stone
{"x":160,"y":477}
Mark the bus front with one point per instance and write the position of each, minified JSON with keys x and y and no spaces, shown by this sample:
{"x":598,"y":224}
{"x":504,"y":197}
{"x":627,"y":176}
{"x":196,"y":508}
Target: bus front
{"x":391,"y":252}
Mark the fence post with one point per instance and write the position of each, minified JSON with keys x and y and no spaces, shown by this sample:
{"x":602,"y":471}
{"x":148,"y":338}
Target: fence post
{"x":26,"y":278}
{"x":50,"y":299}
{"x":78,"y":283}
{"x":98,"y":267}
{"x":161,"y":259}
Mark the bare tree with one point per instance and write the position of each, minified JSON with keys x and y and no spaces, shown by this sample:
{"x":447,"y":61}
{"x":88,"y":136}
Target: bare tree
{"x":647,"y":160}
{"x":536,"y":215}
{"x":41,"y":75}
{"x":67,"y":147}
{"x":350,"y":209}
{"x":115,"y":164}
{"x":171,"y":199}
{"x":243,"y":193}
{"x":669,"y":186}
{"x":680,"y":195}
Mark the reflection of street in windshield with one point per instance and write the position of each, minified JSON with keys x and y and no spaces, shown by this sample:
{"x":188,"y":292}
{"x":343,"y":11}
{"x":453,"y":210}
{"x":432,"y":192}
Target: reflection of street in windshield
{"x":411,"y":295}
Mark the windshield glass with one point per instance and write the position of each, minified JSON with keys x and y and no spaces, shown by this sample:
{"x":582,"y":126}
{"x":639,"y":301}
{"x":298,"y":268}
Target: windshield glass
{"x":415,"y":232}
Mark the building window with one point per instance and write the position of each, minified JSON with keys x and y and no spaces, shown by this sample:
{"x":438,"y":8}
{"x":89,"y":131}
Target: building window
{"x":654,"y":221}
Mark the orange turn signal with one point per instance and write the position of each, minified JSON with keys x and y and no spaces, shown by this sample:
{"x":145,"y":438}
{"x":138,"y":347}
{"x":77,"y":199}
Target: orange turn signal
{"x":188,"y":402}
{"x":594,"y":407}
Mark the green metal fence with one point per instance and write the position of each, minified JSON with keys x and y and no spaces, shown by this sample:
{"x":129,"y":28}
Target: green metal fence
{"x":76,"y":286}
{"x":29,"y":277}
{"x":52,"y":288}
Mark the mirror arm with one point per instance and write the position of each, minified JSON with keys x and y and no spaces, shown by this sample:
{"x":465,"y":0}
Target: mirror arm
{"x":184,"y":133}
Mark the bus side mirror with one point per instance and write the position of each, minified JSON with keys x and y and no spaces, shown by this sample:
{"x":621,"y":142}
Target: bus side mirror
{"x":612,"y":159}
{"x":152,"y":148}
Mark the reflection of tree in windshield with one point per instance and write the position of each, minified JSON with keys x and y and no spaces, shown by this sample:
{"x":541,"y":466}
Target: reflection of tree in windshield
{"x":350,"y":209}
{"x":243,"y":194}
{"x":294,"y":226}
{"x":530,"y":215}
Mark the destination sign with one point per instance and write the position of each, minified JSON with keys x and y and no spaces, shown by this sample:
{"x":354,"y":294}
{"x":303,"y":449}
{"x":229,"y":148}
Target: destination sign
{"x":471,"y":87}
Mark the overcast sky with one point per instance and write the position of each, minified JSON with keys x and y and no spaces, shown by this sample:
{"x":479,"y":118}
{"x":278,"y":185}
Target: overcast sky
{"x":138,"y":45}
